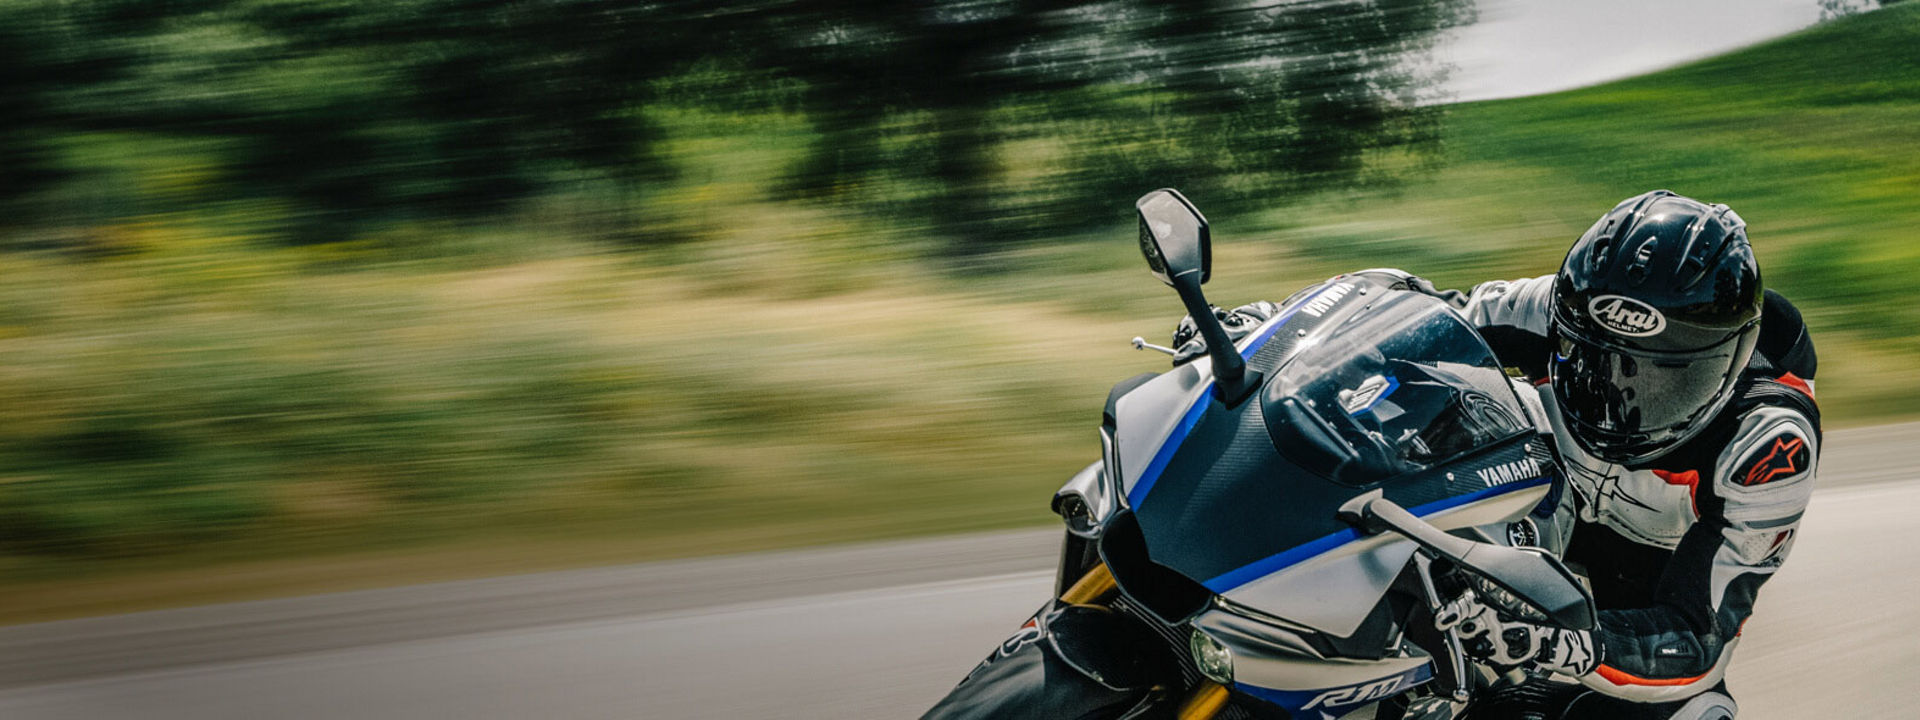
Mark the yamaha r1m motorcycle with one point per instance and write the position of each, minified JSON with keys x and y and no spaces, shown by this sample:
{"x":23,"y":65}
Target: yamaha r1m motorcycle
{"x":1271,"y":533}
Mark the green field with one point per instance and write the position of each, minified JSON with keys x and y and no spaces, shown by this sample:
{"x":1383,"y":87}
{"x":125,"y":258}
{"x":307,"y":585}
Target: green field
{"x":194,"y":417}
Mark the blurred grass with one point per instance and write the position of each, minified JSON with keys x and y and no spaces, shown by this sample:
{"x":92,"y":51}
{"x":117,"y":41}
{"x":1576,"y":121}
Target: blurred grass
{"x":195,"y":416}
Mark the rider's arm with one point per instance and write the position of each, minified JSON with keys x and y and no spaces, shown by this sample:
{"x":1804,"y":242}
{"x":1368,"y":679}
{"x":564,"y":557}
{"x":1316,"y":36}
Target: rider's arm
{"x":1513,"y":316}
{"x":1750,"y":510}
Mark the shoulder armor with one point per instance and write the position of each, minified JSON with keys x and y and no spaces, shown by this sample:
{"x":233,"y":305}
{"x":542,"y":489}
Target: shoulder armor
{"x":1764,"y":475}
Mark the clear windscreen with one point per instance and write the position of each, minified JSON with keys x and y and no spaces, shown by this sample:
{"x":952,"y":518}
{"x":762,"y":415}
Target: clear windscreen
{"x":1401,"y":388}
{"x":1391,"y":395}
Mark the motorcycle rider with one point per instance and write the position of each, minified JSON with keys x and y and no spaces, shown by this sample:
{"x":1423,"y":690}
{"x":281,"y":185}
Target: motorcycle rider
{"x":1680,"y":395}
{"x":1682,"y":406}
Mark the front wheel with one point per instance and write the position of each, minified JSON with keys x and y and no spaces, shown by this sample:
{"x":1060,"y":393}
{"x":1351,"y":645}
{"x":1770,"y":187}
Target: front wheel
{"x":1072,"y":662}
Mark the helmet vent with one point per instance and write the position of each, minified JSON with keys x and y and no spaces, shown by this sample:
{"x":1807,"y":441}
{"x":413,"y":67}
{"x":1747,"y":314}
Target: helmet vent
{"x":1693,"y":268}
{"x":1702,"y":244}
{"x":1637,"y":271}
{"x":1598,"y":256}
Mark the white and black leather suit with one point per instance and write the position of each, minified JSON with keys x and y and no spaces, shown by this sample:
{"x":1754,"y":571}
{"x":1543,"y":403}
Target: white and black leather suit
{"x":1677,"y":547}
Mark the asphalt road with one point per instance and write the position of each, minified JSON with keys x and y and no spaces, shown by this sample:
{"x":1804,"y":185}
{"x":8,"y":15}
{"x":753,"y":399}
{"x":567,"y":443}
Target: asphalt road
{"x":852,"y":632}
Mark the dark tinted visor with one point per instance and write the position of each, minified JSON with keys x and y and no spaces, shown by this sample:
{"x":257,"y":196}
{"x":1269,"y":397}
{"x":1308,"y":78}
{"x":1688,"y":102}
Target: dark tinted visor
{"x":1623,"y":399}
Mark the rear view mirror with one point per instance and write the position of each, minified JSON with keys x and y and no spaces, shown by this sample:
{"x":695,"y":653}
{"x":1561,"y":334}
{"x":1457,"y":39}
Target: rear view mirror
{"x":1173,"y":236}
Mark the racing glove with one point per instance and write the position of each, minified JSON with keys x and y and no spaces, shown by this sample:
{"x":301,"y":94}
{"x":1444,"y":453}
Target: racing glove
{"x":1238,"y":322}
{"x":1452,"y":297}
{"x":1403,"y":280}
{"x":1487,"y":635}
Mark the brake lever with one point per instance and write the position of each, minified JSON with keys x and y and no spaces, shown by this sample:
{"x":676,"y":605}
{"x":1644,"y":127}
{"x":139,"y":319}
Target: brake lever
{"x":1140,"y":343}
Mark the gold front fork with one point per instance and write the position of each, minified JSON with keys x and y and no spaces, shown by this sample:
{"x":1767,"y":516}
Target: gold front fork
{"x":1206,"y":701}
{"x":1207,"y":698}
{"x":1090,"y":587}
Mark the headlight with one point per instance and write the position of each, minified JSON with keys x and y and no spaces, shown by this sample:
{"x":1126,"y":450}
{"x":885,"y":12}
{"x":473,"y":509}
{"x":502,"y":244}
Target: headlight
{"x":1215,"y":660}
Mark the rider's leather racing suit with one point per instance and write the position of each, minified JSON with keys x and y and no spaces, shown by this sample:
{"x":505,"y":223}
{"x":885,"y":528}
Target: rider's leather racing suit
{"x":1676,"y":547}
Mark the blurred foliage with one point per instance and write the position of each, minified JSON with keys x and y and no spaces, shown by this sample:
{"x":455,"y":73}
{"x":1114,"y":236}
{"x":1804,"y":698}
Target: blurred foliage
{"x":193,"y":378}
{"x":1241,"y":100}
{"x":347,"y":115}
{"x":341,"y":119}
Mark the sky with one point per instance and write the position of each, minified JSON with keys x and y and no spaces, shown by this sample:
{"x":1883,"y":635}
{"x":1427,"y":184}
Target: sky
{"x":1528,"y":47}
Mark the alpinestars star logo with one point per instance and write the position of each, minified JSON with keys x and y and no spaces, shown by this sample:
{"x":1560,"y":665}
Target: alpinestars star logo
{"x":1573,"y":653}
{"x":1786,"y":457}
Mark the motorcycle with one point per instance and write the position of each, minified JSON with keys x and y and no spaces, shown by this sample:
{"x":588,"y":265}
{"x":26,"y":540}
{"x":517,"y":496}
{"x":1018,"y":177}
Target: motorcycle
{"x":1272,"y":533}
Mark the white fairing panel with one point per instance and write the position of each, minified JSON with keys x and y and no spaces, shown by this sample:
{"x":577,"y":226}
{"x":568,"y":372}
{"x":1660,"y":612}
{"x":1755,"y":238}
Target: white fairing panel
{"x":1274,"y":658}
{"x":1331,"y":593}
{"x":1145,"y":417}
{"x":1334,"y":591}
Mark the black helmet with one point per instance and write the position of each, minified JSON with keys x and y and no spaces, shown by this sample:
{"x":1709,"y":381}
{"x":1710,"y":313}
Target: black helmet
{"x":1655,"y":314}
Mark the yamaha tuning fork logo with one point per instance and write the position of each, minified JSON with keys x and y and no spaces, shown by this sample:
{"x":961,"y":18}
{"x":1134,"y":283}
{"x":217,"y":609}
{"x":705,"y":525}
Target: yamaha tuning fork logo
{"x":1626,"y":316}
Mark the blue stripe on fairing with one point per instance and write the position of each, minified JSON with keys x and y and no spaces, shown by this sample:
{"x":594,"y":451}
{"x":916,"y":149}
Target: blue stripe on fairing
{"x":1165,"y":455}
{"x":1293,"y":556}
{"x":1179,"y":435}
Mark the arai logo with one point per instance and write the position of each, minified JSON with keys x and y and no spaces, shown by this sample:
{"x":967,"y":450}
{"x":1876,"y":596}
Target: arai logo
{"x":1626,"y":316}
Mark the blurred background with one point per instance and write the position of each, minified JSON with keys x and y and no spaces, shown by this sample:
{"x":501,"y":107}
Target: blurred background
{"x":310,"y":295}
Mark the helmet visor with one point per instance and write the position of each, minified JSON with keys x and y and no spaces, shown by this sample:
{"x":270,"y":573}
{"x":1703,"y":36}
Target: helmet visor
{"x":1627,"y":405}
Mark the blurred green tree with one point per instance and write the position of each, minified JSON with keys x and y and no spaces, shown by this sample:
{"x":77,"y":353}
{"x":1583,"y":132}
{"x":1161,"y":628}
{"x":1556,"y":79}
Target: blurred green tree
{"x":955,"y":61}
{"x":47,"y":49}
{"x":353,"y":114}
{"x":344,"y":116}
{"x":439,"y":108}
{"x":1288,"y":94}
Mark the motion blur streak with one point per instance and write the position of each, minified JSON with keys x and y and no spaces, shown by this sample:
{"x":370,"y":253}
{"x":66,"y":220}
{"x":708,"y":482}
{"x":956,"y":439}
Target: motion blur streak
{"x":288,"y":279}
{"x":853,"y":648}
{"x":309,"y":296}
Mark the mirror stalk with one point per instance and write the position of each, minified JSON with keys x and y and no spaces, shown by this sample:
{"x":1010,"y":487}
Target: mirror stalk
{"x":1229,"y":369}
{"x":1178,"y":248}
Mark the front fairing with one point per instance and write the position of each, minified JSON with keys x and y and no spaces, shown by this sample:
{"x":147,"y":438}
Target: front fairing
{"x":1232,"y":497}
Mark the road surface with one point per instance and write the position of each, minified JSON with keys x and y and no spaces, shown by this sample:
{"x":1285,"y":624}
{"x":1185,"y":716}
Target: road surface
{"x":854,"y":632}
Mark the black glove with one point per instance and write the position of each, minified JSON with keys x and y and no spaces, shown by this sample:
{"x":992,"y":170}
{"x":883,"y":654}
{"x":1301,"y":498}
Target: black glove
{"x":1238,"y":322}
{"x":1453,"y":297}
{"x":1403,"y":280}
{"x":1506,"y":643}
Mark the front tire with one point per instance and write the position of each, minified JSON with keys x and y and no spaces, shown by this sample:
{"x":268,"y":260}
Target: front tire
{"x":1031,"y":675}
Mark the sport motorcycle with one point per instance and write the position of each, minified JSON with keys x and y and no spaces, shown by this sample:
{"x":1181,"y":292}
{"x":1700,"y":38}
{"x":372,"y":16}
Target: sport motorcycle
{"x":1272,"y":532}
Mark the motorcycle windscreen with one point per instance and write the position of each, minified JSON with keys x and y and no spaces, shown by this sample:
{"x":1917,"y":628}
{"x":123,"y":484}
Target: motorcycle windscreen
{"x":1392,"y":395}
